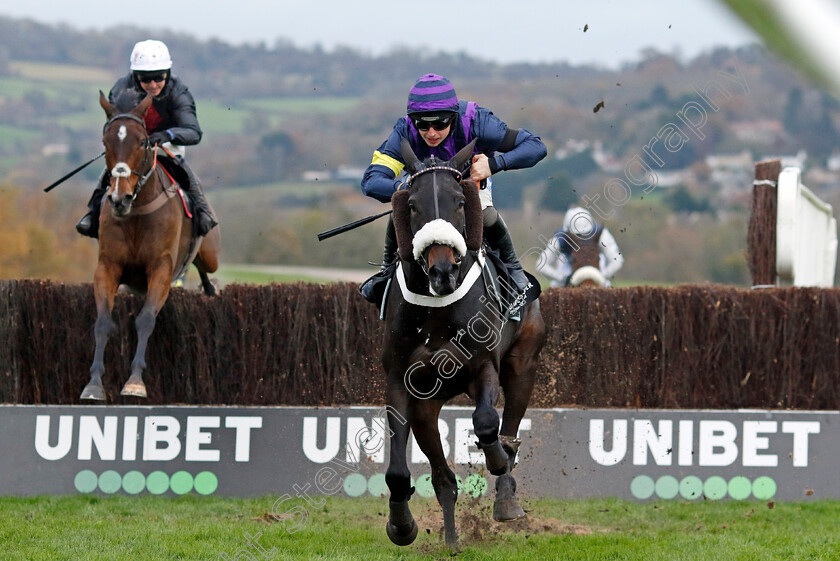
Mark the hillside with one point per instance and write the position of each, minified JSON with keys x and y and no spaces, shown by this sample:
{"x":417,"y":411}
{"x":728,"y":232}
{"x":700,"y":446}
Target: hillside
{"x":274,"y":115}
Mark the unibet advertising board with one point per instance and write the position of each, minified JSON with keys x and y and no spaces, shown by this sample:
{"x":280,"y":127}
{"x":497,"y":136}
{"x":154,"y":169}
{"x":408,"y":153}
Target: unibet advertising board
{"x":306,"y":452}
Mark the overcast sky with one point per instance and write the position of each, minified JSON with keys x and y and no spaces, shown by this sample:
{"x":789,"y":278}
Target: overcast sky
{"x":503,"y":31}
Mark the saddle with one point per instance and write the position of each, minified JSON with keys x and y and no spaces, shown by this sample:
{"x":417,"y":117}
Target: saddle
{"x":502,"y":288}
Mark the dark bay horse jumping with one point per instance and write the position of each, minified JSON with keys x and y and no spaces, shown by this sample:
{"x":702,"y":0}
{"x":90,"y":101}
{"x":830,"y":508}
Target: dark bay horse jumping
{"x":145,"y":239}
{"x":445,"y":336}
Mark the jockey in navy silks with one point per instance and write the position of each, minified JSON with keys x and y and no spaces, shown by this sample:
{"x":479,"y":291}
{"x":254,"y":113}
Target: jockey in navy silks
{"x":438,"y":124}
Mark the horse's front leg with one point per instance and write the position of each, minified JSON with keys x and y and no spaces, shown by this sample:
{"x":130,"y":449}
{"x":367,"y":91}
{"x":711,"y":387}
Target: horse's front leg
{"x":160,"y":279}
{"x":401,"y":527}
{"x":105,"y":284}
{"x":425,"y":426}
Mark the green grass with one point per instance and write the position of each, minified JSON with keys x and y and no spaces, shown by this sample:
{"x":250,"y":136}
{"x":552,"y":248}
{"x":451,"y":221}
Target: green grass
{"x":158,"y":528}
{"x":229,"y":275}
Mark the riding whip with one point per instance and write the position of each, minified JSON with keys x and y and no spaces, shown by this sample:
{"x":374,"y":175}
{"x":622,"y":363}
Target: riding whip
{"x":72,"y":173}
{"x":335,"y":231}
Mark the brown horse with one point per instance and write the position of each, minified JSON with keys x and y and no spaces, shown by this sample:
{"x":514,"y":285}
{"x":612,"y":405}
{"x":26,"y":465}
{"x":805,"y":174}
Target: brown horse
{"x":444,"y":336}
{"x":145,"y":239}
{"x":585,"y":260}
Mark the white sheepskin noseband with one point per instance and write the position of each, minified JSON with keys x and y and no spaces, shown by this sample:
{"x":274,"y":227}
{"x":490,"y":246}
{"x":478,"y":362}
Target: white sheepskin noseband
{"x":438,"y":231}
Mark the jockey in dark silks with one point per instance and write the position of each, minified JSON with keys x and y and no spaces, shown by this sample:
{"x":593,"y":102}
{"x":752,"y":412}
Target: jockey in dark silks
{"x":171,"y":122}
{"x":438,"y":124}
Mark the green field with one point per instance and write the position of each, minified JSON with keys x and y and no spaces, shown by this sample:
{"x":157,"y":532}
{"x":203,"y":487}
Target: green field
{"x":192,"y":528}
{"x":47,"y":72}
{"x":81,"y":83}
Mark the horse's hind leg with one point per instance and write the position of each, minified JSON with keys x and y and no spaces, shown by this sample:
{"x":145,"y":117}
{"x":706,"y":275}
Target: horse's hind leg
{"x":206,"y":284}
{"x":425,"y":427}
{"x":104,"y":289}
{"x":207,"y":260}
{"x":158,"y":290}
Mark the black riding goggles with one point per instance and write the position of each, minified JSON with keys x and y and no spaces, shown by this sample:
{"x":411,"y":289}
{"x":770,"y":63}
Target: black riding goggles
{"x":437,"y":121}
{"x":146,"y":77}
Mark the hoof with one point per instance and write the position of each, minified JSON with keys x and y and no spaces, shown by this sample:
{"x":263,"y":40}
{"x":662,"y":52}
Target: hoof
{"x":506,"y":510}
{"x":93,"y":391}
{"x":454,"y":548}
{"x":402,"y":535}
{"x":136,"y":389}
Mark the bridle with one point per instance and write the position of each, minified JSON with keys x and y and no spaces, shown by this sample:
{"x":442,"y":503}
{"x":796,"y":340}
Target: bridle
{"x":458,"y":175}
{"x":142,"y":178}
{"x":424,"y":265}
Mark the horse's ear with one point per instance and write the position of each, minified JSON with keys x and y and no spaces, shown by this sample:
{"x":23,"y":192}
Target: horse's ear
{"x":409,"y":157}
{"x":110,"y":110}
{"x":463,"y":156}
{"x":402,"y":224}
{"x":143,"y":107}
{"x":472,"y":215}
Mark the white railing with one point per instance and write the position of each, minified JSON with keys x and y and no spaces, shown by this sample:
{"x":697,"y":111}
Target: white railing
{"x":806,"y":234}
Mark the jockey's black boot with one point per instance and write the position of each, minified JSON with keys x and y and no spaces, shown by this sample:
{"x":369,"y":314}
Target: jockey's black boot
{"x":88,"y":225}
{"x":498,"y":237}
{"x":389,"y":258}
{"x":204,"y":218}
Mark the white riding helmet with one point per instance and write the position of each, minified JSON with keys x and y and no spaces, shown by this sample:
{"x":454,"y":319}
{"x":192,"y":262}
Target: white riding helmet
{"x":150,"y":55}
{"x":579,"y":221}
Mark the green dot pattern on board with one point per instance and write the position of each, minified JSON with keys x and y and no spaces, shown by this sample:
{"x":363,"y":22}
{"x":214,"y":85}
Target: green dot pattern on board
{"x":692,"y":487}
{"x":764,"y":488}
{"x":156,"y":483}
{"x":740,"y":488}
{"x":377,"y":486}
{"x":206,"y":483}
{"x":355,"y":484}
{"x":475,"y":485}
{"x":181,"y":482}
{"x":424,"y":486}
{"x":715,"y":488}
{"x":667,"y":487}
{"x":86,"y":481}
{"x":110,"y":482}
{"x":642,"y":487}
